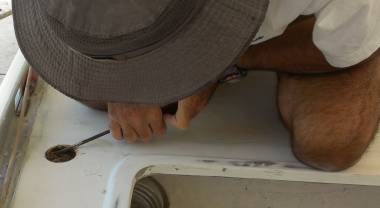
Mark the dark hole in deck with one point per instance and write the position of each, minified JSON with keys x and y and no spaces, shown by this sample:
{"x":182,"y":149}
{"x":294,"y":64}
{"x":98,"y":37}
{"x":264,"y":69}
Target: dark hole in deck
{"x":52,"y":156}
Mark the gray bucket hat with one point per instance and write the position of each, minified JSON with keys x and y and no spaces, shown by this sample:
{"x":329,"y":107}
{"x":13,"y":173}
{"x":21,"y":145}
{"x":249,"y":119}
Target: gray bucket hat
{"x":135,"y":51}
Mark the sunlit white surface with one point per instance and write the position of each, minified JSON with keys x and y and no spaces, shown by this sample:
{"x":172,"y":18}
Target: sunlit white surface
{"x":241,"y":123}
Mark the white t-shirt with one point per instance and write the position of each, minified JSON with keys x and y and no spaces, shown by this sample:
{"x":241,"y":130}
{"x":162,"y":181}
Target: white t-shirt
{"x":346,"y":31}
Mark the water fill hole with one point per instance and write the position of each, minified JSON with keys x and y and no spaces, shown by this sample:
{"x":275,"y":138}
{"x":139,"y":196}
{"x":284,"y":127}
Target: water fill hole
{"x":52,"y":155}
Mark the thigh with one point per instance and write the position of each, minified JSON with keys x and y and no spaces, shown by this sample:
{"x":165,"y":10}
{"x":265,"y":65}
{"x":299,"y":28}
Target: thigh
{"x":293,"y":51}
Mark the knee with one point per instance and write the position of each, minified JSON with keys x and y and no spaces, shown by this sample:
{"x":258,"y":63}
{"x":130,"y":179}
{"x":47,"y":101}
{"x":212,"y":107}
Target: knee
{"x":327,"y":152}
{"x":325,"y":158}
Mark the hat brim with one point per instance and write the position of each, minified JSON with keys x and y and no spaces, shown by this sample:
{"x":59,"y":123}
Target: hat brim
{"x":194,"y":58}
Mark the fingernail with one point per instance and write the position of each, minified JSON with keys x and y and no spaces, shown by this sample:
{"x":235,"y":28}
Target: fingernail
{"x":171,"y":119}
{"x":117,"y":138}
{"x":183,"y":127}
{"x":167,"y":116}
{"x":146,"y":141}
{"x":131,"y":141}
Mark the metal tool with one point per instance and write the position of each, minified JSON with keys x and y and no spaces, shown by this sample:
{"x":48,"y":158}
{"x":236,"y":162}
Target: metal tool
{"x":75,"y":146}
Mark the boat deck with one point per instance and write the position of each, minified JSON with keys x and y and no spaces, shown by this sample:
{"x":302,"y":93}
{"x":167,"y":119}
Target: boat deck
{"x":238,"y":135}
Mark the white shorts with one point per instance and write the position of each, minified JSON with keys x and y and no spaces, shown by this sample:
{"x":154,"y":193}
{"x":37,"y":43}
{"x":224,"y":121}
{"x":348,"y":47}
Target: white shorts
{"x":346,"y":31}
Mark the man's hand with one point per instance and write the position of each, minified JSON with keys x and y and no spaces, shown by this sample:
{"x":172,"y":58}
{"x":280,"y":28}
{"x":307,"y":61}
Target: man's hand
{"x":133,"y":122}
{"x":189,"y":107}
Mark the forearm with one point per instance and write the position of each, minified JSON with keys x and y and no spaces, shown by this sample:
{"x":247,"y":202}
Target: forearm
{"x":293,"y":52}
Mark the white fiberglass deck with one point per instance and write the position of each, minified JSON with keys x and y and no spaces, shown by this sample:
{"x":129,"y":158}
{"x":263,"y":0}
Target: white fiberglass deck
{"x":238,"y":135}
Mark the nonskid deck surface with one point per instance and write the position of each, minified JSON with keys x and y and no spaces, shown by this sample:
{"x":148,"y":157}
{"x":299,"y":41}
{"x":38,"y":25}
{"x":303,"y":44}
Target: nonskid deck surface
{"x":241,"y":122}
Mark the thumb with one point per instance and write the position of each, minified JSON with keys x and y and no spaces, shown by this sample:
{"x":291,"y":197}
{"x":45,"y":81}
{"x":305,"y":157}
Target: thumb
{"x":181,"y":119}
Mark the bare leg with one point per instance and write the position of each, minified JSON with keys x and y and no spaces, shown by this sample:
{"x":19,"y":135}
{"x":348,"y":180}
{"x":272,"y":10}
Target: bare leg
{"x":332,"y":117}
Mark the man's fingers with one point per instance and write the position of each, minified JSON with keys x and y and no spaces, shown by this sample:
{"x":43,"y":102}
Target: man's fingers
{"x":137,"y":122}
{"x":116,"y":130}
{"x":157,"y":123}
{"x":181,"y":120}
{"x":144,"y":132}
{"x":186,"y":112}
{"x":158,"y":128}
{"x":129,"y":134}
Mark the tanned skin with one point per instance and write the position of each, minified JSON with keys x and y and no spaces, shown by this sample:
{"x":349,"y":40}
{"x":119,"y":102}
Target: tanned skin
{"x":292,"y":52}
{"x":331,"y":113}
